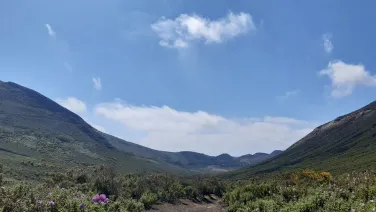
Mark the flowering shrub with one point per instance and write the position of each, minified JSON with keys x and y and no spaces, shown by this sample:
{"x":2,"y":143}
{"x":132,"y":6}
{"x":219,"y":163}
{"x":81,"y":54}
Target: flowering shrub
{"x":98,"y":191}
{"x":100,"y":199}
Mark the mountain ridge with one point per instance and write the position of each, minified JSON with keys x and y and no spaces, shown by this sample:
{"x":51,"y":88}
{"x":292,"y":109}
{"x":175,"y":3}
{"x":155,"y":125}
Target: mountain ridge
{"x":35,"y":129}
{"x":188,"y":159}
{"x":346,"y":143}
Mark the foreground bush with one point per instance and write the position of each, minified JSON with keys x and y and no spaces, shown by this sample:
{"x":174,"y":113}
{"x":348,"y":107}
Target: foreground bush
{"x":305,"y":191}
{"x":101,"y":190}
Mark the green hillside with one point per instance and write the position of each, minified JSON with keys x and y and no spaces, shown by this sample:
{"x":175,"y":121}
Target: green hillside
{"x":345,"y":144}
{"x":37,"y":135}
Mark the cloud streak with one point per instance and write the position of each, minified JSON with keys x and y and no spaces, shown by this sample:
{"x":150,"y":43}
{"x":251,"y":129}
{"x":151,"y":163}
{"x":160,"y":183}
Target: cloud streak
{"x":50,"y":31}
{"x":288,"y":94}
{"x":97,"y":83}
{"x":185,"y":29}
{"x":327,"y":43}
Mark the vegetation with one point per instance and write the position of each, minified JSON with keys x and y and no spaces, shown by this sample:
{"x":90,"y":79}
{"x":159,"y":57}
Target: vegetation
{"x":303,"y":192}
{"x":39,"y":135}
{"x":101,"y":189}
{"x":343,"y":145}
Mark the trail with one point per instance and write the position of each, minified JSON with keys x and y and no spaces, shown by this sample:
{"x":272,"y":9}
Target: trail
{"x":214,"y":205}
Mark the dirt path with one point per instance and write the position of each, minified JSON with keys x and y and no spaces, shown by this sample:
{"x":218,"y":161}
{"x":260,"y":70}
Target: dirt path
{"x":215,"y":205}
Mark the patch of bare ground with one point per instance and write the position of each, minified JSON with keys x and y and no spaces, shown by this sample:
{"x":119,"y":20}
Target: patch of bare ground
{"x":211,"y":204}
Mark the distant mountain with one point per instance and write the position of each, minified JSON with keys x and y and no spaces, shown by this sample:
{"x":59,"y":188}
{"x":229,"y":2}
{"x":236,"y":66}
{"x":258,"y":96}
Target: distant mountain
{"x":37,"y":134}
{"x":189,"y":160}
{"x":345,"y":144}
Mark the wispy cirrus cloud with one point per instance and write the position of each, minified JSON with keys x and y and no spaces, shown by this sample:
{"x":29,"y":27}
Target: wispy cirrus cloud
{"x":61,"y":48}
{"x":289,"y":94}
{"x":97,"y":83}
{"x":181,"y":31}
{"x":327,"y":42}
{"x":50,"y":31}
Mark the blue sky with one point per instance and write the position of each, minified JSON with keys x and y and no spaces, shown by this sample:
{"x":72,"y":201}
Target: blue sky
{"x":209,"y":76}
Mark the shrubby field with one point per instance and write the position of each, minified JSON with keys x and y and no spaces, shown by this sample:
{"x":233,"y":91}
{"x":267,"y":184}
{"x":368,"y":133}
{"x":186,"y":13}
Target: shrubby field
{"x":101,"y":190}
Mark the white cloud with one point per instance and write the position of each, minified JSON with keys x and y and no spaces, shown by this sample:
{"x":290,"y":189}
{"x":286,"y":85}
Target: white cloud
{"x":164,"y":128}
{"x":327,"y":43}
{"x":50,"y":31}
{"x":98,"y":127}
{"x":345,"y":77}
{"x":97,"y":83}
{"x":73,"y":104}
{"x":288,"y":94}
{"x":178,"y":33}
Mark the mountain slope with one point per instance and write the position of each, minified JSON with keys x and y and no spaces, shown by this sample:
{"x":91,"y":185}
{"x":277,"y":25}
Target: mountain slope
{"x":189,"y":160}
{"x":37,"y":134}
{"x":344,"y":144}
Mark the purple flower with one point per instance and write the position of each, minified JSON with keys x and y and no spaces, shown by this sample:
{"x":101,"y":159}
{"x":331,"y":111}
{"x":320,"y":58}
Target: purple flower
{"x":82,"y":206}
{"x":100,"y":198}
{"x":51,"y":203}
{"x":96,"y":198}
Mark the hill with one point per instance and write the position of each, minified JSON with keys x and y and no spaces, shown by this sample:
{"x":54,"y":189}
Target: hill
{"x":38,"y":135}
{"x":345,"y":144}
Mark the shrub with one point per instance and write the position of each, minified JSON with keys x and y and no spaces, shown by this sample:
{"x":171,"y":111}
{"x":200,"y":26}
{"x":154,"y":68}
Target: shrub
{"x":133,"y":206}
{"x":148,"y":199}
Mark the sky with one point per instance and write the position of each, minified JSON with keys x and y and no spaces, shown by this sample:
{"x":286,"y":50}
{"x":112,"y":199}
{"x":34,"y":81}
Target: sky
{"x":210,"y":76}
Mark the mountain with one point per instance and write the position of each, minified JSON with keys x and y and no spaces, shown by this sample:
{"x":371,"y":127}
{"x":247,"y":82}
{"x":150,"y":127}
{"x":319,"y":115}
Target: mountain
{"x":190,"y":160}
{"x":38,"y":135}
{"x":348,"y":143}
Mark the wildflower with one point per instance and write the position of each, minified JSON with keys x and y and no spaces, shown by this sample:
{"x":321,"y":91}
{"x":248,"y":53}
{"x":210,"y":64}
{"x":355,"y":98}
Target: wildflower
{"x":51,"y":203}
{"x":100,"y":198}
{"x":82,"y":206}
{"x":83,"y":196}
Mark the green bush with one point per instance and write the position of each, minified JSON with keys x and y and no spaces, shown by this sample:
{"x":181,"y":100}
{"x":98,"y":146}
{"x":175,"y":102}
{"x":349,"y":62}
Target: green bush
{"x":133,"y":206}
{"x":148,"y":199}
